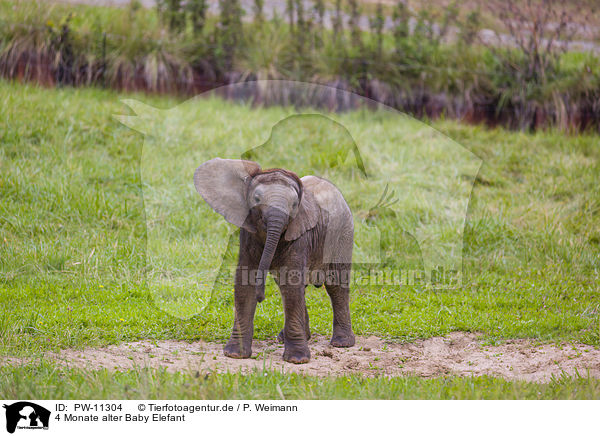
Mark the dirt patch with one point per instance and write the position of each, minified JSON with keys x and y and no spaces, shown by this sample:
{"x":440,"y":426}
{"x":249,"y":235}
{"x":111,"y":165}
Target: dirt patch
{"x":458,"y":353}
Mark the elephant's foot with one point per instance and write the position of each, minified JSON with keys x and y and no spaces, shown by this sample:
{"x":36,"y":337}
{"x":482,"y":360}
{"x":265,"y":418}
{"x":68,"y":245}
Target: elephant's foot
{"x":342,"y":340}
{"x":237,"y":350}
{"x":281,"y":340}
{"x":296,"y":354}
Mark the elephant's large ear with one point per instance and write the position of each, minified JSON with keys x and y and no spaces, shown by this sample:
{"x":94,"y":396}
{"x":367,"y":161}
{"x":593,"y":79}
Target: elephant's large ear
{"x":305,"y":219}
{"x":223,"y":184}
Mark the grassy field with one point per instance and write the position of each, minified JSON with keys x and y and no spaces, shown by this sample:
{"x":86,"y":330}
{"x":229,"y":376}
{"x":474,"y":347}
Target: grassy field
{"x":56,"y":383}
{"x":79,"y":267}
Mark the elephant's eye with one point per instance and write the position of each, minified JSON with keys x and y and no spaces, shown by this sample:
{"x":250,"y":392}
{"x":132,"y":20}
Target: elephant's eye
{"x":256,"y":198}
{"x":295,"y":204}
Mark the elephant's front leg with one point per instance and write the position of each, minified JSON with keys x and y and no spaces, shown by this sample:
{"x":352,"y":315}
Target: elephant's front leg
{"x":295,"y":338}
{"x":240,"y":342}
{"x":306,"y":326}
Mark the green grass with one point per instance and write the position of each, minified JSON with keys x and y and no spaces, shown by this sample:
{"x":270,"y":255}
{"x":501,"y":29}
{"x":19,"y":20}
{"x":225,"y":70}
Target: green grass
{"x":45,"y":381}
{"x":78,"y":267}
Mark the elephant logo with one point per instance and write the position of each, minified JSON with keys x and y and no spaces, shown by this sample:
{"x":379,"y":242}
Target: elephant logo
{"x":408,"y":185}
{"x":26,"y":415}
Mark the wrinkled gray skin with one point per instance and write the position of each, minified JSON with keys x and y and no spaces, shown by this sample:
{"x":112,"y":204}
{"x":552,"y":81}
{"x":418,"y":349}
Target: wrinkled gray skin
{"x":288,"y":226}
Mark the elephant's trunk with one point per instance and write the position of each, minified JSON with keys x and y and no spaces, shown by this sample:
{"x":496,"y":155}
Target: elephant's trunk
{"x":275,"y":222}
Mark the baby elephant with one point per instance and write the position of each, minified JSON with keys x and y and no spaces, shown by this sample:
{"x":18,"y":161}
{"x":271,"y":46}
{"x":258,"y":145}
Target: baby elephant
{"x":301,"y":230}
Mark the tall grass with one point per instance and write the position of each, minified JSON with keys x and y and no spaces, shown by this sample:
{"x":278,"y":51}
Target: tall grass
{"x":411,"y":68}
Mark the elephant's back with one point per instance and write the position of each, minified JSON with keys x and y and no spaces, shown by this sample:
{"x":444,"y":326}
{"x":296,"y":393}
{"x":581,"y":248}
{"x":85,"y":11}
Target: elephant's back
{"x":339,"y":232}
{"x":328,"y":196}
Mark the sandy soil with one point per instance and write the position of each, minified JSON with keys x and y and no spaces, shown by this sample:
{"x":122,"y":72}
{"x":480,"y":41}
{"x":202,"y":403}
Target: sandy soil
{"x":459,"y":353}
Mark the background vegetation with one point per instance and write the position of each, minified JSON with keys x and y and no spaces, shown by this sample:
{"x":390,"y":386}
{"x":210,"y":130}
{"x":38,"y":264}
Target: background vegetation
{"x":428,"y":61}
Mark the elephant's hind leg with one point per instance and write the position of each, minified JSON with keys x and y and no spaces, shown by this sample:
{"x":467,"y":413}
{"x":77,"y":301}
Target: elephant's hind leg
{"x":338,"y":288}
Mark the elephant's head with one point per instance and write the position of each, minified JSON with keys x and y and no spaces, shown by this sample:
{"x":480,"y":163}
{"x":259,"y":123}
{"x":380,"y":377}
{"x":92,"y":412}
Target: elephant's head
{"x":271,"y":204}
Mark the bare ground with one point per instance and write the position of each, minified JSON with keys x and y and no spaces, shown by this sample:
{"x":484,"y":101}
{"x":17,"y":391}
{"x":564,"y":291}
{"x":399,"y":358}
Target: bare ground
{"x":459,"y":353}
